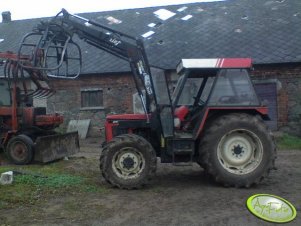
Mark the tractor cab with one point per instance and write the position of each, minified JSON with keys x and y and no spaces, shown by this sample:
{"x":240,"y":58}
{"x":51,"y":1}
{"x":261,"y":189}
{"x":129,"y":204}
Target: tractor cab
{"x":210,"y":83}
{"x":216,"y":86}
{"x":203,"y":84}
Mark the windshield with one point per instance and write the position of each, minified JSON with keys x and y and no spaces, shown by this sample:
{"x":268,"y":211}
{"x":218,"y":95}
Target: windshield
{"x":4,"y":93}
{"x":191,"y":89}
{"x":177,"y":89}
{"x":160,"y":86}
{"x":163,"y":101}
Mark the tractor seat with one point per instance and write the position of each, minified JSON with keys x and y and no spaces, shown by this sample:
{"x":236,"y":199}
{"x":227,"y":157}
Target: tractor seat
{"x":181,"y":112}
{"x":180,"y":115}
{"x":185,"y":118}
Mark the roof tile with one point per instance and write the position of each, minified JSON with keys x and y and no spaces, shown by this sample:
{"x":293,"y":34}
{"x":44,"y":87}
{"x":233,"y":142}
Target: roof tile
{"x":268,"y":31}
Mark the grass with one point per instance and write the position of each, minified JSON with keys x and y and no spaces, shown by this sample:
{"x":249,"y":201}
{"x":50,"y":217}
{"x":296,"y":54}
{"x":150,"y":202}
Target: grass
{"x":287,"y":141}
{"x":52,"y":181}
{"x":36,"y":183}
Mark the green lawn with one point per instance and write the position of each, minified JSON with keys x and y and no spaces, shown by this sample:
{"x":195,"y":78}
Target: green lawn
{"x":287,"y":141}
{"x":36,"y":183}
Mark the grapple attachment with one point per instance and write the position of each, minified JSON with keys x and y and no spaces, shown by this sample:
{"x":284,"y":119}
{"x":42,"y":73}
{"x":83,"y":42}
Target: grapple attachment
{"x":16,"y":74}
{"x":50,"y":148}
{"x":51,"y":50}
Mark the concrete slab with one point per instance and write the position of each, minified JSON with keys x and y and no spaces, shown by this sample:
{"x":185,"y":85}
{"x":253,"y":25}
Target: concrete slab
{"x":81,"y":126}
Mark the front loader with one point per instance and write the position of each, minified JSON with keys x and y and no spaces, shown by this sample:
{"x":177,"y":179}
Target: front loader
{"x":26,"y":132}
{"x":213,"y":117}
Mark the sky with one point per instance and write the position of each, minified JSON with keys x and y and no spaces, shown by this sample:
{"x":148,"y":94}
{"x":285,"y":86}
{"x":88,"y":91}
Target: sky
{"x":26,"y":9}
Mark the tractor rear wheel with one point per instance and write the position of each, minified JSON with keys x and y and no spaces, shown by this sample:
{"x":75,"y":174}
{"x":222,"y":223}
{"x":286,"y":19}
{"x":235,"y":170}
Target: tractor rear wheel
{"x":237,"y":150}
{"x":128,"y":161}
{"x":19,"y":150}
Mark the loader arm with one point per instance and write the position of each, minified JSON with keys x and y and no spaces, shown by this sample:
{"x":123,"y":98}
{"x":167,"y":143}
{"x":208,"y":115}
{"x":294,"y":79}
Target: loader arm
{"x":61,"y":29}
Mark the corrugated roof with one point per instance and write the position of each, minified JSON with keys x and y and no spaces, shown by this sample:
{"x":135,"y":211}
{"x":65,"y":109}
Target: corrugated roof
{"x":268,"y":31}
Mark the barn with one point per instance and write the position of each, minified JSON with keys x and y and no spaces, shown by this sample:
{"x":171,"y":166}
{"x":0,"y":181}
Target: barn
{"x":268,"y":31}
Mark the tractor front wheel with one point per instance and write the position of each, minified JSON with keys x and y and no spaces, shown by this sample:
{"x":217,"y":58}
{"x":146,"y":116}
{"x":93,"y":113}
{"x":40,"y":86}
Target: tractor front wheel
{"x":19,"y":150}
{"x":128,"y":161}
{"x":237,"y":150}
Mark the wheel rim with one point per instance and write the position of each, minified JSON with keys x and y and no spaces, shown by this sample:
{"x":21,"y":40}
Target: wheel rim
{"x":128,"y":163}
{"x":240,"y":151}
{"x":18,"y":151}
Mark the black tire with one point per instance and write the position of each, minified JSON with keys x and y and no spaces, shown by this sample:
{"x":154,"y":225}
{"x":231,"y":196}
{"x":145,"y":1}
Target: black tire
{"x":20,"y":150}
{"x":237,"y":150}
{"x":128,"y":161}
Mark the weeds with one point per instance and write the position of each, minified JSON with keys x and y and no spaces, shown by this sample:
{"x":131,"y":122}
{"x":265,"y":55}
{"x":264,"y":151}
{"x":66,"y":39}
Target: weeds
{"x":52,"y":181}
{"x":36,"y":183}
{"x":287,"y":141}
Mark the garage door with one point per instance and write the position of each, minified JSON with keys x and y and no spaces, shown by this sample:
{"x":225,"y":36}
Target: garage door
{"x":267,"y":92}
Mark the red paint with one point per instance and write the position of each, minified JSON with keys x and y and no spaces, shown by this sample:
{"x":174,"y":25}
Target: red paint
{"x":234,"y":63}
{"x":4,"y":111}
{"x":13,"y":56}
{"x":127,"y":117}
{"x":261,"y":110}
{"x":14,"y":108}
{"x":181,"y":112}
{"x":202,"y":123}
{"x":109,"y":130}
{"x":109,"y":124}
{"x":28,"y":116}
{"x":49,"y":120}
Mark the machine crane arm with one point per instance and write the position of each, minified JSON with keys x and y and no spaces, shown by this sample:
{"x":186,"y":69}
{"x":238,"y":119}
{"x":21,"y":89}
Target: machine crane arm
{"x":57,"y":34}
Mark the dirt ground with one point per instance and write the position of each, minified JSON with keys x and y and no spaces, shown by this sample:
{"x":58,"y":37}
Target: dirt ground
{"x":177,"y":196}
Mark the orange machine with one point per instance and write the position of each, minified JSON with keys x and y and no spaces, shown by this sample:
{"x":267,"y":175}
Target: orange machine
{"x":27,"y":132}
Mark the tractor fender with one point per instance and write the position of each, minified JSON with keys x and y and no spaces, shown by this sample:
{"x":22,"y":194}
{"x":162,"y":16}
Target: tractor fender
{"x":212,"y":112}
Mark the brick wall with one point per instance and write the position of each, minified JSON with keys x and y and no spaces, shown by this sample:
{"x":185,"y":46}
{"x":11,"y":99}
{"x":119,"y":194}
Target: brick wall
{"x":117,"y":98}
{"x":118,"y":90}
{"x":288,"y":77}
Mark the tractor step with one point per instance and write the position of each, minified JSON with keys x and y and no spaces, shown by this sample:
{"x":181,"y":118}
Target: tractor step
{"x":182,"y":151}
{"x":183,"y":158}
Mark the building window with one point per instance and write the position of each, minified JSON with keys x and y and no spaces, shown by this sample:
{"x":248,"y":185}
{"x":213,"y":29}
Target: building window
{"x":92,"y":98}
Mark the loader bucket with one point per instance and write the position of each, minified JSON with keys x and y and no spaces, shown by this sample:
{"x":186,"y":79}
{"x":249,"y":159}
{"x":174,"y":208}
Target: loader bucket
{"x":49,"y":148}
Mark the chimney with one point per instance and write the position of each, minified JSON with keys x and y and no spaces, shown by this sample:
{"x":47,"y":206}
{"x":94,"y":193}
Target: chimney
{"x":6,"y":17}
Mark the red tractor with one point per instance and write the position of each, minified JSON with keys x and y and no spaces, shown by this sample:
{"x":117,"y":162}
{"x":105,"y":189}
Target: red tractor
{"x":27,"y":132}
{"x":213,"y":117}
